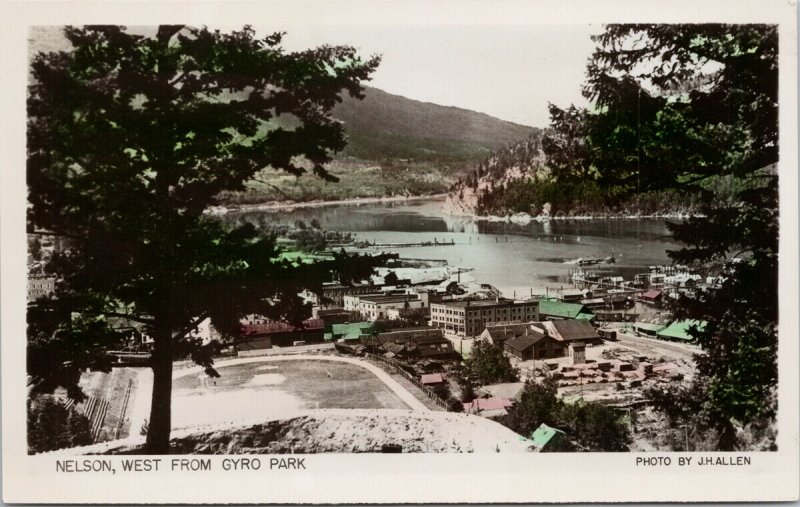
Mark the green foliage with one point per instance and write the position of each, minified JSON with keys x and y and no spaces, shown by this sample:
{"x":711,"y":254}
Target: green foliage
{"x":130,"y":138}
{"x":309,"y":240}
{"x":488,"y":365}
{"x":590,"y":426}
{"x":594,"y":426}
{"x":684,"y":105}
{"x":51,"y":425}
{"x":396,"y":147}
{"x":538,"y":404}
{"x":390,"y":127}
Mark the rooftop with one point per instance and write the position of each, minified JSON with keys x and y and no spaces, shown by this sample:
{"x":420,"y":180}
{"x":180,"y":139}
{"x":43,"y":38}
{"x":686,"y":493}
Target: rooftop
{"x":369,"y":298}
{"x":510,"y":390}
{"x":544,"y":434}
{"x":432,"y":378}
{"x":560,"y":309}
{"x":350,"y":331}
{"x":575,"y":329}
{"x":486,"y":303}
{"x":524,"y":342}
{"x":679,"y":329}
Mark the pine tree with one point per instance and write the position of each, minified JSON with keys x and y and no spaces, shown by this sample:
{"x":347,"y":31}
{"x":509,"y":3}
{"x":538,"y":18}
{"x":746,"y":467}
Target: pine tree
{"x":130,"y":138}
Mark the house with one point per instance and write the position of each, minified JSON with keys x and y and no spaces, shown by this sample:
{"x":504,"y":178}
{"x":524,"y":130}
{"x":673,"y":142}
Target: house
{"x":552,"y":310}
{"x":432,"y":380}
{"x":577,"y":330}
{"x":679,"y":330}
{"x":651,"y":296}
{"x":497,"y":334}
{"x":488,"y":407}
{"x":508,"y":390}
{"x":470,"y":318}
{"x":536,"y":344}
{"x":549,"y":439}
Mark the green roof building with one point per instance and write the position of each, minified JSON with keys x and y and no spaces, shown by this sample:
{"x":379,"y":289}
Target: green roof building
{"x":559,"y":310}
{"x":549,"y":439}
{"x":647,"y":328}
{"x":350,"y":331}
{"x":679,"y":330}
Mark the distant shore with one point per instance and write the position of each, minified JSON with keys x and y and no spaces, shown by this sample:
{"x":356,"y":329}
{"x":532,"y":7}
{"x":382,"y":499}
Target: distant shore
{"x":524,"y":218}
{"x":284,"y":205}
{"x":518,"y":218}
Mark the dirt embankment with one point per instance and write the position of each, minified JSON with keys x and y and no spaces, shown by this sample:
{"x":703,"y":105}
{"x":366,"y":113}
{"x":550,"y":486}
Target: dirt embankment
{"x":342,"y":430}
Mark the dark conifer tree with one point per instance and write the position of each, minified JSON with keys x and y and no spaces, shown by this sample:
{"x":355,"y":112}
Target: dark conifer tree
{"x":130,"y":138}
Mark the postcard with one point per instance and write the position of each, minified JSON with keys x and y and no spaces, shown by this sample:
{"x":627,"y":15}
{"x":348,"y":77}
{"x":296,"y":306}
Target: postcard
{"x":361,"y":252}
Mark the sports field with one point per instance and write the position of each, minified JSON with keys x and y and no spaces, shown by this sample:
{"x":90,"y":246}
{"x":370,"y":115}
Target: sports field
{"x":266,"y":389}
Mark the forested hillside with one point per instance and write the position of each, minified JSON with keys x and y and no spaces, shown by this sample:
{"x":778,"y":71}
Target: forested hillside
{"x":396,"y":146}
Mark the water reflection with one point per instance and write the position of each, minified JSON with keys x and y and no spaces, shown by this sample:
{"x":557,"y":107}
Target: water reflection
{"x":515,"y":257}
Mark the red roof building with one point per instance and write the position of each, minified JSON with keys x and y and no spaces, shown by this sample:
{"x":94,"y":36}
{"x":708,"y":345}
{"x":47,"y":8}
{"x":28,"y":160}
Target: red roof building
{"x":651,"y":295}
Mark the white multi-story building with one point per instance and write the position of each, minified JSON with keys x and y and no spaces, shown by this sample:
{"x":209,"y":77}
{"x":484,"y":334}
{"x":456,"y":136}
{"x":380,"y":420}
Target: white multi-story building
{"x":378,"y":306}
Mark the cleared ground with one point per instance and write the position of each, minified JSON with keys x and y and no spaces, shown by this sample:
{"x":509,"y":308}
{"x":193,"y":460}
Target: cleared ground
{"x":263,"y":389}
{"x":339,"y":430}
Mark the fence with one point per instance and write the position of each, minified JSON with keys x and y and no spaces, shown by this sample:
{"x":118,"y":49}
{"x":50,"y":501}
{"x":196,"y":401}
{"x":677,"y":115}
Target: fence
{"x":123,"y":409}
{"x":399,"y":367}
{"x":95,"y":410}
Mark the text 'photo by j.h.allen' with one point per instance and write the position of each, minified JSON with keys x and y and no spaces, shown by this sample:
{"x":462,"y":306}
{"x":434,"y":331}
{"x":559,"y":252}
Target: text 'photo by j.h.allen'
{"x":528,"y":253}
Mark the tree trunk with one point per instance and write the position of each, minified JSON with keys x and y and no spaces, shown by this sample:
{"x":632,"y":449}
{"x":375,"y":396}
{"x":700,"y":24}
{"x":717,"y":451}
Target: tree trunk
{"x":160,"y":410}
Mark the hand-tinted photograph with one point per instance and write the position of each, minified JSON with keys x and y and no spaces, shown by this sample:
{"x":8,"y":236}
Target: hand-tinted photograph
{"x":266,"y":240}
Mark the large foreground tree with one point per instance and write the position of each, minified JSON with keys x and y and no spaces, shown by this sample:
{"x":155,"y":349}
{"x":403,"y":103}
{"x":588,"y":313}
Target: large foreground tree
{"x":130,"y":138}
{"x":694,"y":108}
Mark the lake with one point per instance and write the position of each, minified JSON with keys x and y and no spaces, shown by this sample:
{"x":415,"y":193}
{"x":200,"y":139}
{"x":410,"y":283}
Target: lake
{"x":518,"y":259}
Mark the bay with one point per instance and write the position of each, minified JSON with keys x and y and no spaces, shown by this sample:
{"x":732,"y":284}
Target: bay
{"x":519,"y":259}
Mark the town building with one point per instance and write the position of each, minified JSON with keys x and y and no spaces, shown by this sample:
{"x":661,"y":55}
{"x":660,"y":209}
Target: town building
{"x":572,"y":331}
{"x":552,"y":310}
{"x":349,"y":332}
{"x":470,"y":318}
{"x":536,"y":343}
{"x":508,"y":390}
{"x":549,"y":439}
{"x":497,"y":334}
{"x":488,"y":407}
{"x":281,"y":333}
{"x":680,"y":330}
{"x":651,"y":296}
{"x":377,"y":306}
{"x":416,"y":342}
{"x":333,"y":293}
{"x":543,"y":340}
{"x":332,"y":315}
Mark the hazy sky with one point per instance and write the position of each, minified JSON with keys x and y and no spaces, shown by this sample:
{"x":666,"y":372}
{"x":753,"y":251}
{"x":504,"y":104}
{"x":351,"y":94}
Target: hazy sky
{"x":510,"y":72}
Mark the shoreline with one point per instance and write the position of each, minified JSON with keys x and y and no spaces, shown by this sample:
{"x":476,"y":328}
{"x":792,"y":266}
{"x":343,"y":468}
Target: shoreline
{"x":519,"y":218}
{"x":525,"y":218}
{"x":284,"y":205}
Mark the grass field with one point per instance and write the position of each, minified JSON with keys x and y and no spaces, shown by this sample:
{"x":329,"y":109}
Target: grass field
{"x":269,"y":388}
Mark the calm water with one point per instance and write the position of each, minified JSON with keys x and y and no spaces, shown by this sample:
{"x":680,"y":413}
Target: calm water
{"x":515,"y":258}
